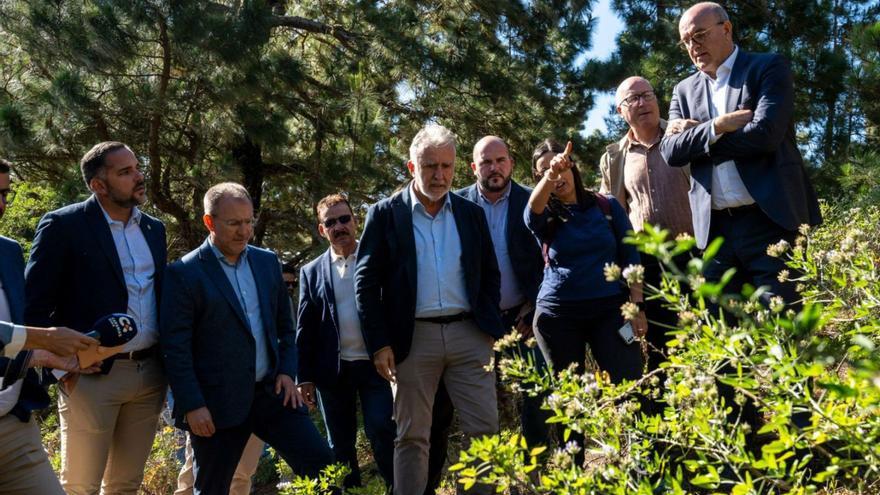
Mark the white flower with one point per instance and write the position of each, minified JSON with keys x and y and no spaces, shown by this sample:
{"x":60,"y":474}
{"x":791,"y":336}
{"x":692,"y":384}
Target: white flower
{"x":612,"y":272}
{"x":778,"y":249}
{"x":634,"y":274}
{"x":629,"y":310}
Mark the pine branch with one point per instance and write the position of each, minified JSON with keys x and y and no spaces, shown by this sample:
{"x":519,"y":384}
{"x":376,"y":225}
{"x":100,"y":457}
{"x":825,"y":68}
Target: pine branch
{"x":346,"y":37}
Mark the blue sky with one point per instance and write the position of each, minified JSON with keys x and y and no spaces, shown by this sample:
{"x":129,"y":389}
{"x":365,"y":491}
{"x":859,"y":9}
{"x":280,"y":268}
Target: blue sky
{"x":604,"y":43}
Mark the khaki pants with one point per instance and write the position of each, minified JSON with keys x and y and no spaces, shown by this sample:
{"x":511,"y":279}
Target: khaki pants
{"x":460,"y":353}
{"x":24,"y":465}
{"x":107,"y":427}
{"x":241,"y":481}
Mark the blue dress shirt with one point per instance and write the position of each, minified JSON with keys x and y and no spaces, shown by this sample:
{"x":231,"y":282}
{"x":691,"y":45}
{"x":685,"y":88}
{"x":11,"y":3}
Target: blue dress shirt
{"x":242,"y":280}
{"x":496,"y":215}
{"x":139,"y":272}
{"x":440,"y":287}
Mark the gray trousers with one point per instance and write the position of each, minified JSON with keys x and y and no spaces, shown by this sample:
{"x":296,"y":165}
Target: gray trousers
{"x":461,"y":354}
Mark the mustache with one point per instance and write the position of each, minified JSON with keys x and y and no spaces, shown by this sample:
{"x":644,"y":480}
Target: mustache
{"x":340,"y":233}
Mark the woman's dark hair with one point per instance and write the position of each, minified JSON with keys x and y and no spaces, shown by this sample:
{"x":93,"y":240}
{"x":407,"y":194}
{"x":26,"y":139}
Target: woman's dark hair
{"x":585,"y":198}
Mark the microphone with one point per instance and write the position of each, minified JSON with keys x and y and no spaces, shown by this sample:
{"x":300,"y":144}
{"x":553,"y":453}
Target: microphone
{"x":112,"y":332}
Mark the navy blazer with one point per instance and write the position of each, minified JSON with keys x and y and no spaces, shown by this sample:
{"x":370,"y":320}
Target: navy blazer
{"x":33,"y":396}
{"x":74,"y":276}
{"x":206,"y":341}
{"x":765,"y":151}
{"x":317,"y":324}
{"x":524,"y":250}
{"x":385,"y":277}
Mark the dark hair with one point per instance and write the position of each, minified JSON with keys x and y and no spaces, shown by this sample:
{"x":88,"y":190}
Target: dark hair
{"x":94,"y":160}
{"x":5,"y":166}
{"x":329,"y":201}
{"x":585,"y":198}
{"x":289,"y":267}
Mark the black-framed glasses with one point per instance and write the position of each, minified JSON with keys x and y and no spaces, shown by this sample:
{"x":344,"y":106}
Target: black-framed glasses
{"x":699,"y":37}
{"x":8,"y":196}
{"x":631,"y":100}
{"x":330,"y":222}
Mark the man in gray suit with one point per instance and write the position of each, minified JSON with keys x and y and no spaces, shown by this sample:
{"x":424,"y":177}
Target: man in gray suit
{"x":733,"y":121}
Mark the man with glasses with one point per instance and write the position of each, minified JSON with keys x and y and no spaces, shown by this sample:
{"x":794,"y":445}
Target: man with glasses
{"x":634,"y":171}
{"x":228,"y":347}
{"x":332,"y":354}
{"x":733,"y":122}
{"x":89,"y":260}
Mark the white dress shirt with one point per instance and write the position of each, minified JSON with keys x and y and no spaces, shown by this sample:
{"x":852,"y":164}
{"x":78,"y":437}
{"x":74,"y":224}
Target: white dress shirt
{"x":9,"y":397}
{"x":728,"y":189}
{"x":351,"y":340}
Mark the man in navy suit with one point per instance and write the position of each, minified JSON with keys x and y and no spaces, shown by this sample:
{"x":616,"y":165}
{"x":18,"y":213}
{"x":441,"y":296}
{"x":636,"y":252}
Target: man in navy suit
{"x":733,"y":121}
{"x":332,"y":352}
{"x":24,"y":465}
{"x":427,"y":288}
{"x":88,"y":260}
{"x":229,"y":349}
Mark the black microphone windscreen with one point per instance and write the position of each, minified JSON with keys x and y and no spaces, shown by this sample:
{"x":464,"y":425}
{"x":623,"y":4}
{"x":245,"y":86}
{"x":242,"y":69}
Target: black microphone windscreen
{"x":113,"y":330}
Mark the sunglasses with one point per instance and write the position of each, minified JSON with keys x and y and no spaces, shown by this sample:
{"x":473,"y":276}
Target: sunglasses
{"x":330,"y":222}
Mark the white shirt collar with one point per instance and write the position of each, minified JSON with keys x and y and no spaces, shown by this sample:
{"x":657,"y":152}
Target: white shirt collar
{"x":334,"y":258}
{"x":724,"y":70}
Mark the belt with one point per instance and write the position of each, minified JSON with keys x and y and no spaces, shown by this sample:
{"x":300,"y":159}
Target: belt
{"x":445,"y":320}
{"x":739,"y":210}
{"x":511,"y":311}
{"x":139,"y":355}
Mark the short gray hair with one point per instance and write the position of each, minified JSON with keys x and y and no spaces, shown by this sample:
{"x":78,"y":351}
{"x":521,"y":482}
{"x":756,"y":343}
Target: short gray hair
{"x":217,"y":193}
{"x":430,"y":136}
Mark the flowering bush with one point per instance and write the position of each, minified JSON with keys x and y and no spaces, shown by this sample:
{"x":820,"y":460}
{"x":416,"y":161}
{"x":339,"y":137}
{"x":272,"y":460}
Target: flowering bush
{"x":818,"y":365}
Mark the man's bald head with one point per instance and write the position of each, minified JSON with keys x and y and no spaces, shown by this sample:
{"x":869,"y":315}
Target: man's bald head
{"x":637,"y":104}
{"x":706,"y":34}
{"x":492,"y":164}
{"x":627,"y":85}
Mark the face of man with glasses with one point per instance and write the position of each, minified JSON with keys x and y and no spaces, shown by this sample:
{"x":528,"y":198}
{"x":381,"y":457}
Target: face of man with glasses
{"x":707,"y":39}
{"x":338,"y":225}
{"x":638,"y":104}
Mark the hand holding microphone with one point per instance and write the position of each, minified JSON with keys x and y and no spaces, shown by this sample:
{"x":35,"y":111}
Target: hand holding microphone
{"x":112,"y":333}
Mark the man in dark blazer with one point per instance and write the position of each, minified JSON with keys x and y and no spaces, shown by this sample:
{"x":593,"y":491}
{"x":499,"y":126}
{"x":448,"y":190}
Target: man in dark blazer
{"x":89,"y":260}
{"x":733,"y":121}
{"x":332,"y":353}
{"x":228,"y":346}
{"x":24,"y":465}
{"x":427,"y":287}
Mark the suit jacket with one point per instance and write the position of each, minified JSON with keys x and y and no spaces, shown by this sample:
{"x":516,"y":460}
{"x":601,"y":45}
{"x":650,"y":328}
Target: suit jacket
{"x":386,"y":278}
{"x":206,"y":341}
{"x":317,"y":324}
{"x":525,"y":252}
{"x":74,"y":276}
{"x":765,"y":151}
{"x":33,"y":396}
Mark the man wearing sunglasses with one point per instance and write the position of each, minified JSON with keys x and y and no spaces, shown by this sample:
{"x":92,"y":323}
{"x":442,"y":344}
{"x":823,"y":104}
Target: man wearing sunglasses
{"x":634,"y":171}
{"x":749,"y":185}
{"x":332,"y":354}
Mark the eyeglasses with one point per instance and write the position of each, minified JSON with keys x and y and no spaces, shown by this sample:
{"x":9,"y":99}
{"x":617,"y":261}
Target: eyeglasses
{"x":330,"y":222}
{"x":250,"y":222}
{"x":8,"y":196}
{"x":699,"y":37}
{"x":646,"y":97}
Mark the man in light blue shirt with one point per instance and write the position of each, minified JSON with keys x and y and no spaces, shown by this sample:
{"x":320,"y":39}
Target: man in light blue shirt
{"x":427,"y":289}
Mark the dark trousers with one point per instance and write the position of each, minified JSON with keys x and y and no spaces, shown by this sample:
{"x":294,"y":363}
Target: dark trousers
{"x":339,"y":407}
{"x":289,"y":431}
{"x":564,"y":331}
{"x":535,"y":429}
{"x":747,"y":232}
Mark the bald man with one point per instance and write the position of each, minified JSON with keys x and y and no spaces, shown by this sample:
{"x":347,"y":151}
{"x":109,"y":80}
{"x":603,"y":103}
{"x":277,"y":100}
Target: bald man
{"x":635,"y":172}
{"x":733,"y":122}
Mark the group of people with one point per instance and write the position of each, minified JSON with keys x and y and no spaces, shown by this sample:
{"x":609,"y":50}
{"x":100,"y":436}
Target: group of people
{"x":402,"y":320}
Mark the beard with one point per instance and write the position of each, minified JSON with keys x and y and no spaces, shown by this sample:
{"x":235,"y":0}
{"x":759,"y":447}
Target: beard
{"x":486,"y":183}
{"x":126,"y":200}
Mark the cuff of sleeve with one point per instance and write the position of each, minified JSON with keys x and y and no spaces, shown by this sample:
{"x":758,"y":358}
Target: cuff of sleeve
{"x":712,"y":136}
{"x":16,"y":343}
